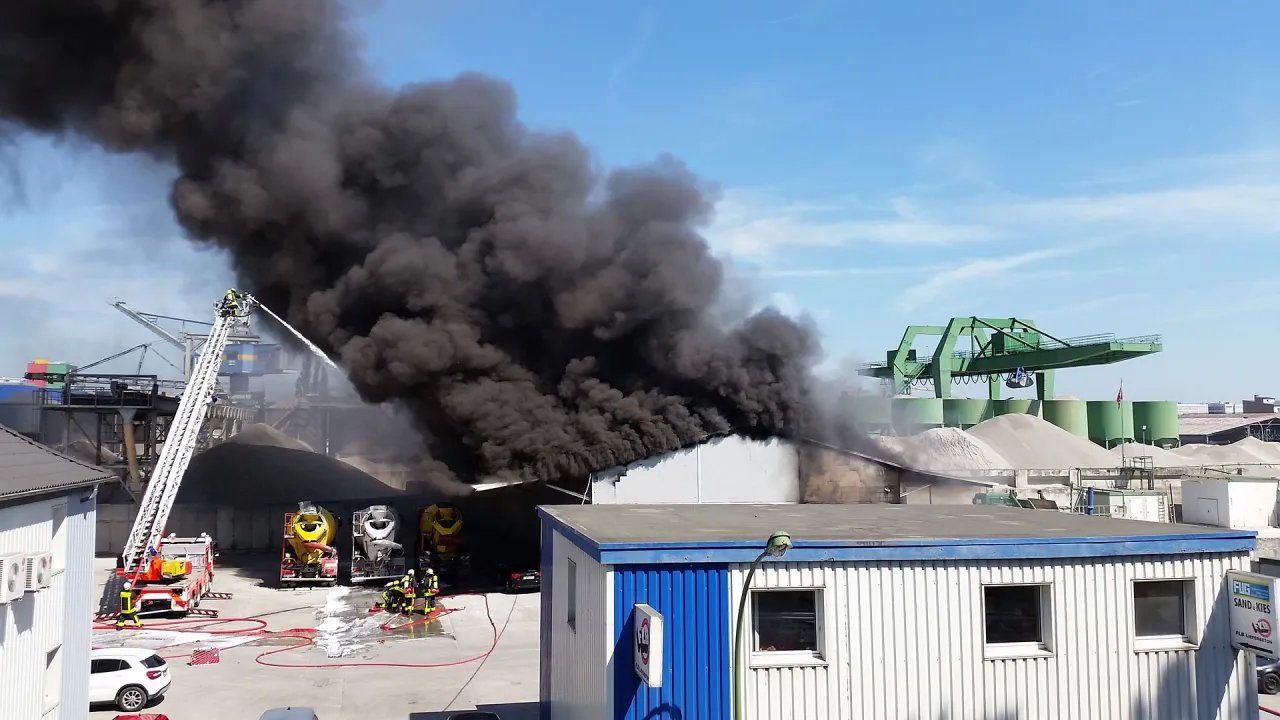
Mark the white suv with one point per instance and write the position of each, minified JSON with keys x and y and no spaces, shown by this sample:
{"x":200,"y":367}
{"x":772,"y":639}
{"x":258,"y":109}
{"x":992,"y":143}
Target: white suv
{"x":129,"y":678}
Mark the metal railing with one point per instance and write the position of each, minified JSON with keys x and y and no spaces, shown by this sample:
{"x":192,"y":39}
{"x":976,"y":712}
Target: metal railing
{"x":1045,"y":343}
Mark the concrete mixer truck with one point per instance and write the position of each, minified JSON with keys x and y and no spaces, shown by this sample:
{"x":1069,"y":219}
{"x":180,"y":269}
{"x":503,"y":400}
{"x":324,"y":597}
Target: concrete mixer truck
{"x":375,"y":554}
{"x":308,"y":554}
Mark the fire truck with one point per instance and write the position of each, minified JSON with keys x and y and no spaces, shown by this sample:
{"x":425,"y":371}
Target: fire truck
{"x":171,"y":574}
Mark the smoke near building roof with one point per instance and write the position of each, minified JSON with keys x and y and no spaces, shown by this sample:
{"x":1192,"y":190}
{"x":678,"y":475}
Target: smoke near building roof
{"x":537,"y":317}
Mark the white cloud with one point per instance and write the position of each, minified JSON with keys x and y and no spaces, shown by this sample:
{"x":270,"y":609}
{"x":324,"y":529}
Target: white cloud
{"x":946,"y":281}
{"x":752,"y":223}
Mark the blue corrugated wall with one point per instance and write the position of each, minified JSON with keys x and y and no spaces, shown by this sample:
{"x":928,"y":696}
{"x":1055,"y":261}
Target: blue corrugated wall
{"x":545,"y":657}
{"x":694,"y":602}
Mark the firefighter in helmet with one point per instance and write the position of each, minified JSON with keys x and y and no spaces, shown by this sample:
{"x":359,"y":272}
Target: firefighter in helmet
{"x":392,"y":595}
{"x":430,"y":589}
{"x":408,"y":591}
{"x":128,"y":608}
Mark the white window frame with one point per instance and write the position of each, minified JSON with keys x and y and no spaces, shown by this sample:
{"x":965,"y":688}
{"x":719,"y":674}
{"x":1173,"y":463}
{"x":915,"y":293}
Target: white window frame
{"x":1009,"y":651}
{"x":52,"y":679}
{"x":571,"y":583}
{"x":788,"y":658}
{"x":1166,"y":643}
{"x":58,"y":542}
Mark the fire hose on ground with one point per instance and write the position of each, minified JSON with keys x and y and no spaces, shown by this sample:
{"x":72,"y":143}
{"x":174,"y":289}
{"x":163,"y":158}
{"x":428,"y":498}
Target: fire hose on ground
{"x":306,"y":637}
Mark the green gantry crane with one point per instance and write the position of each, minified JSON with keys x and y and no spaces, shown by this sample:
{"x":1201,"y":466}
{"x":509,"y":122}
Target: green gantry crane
{"x":1000,"y":348}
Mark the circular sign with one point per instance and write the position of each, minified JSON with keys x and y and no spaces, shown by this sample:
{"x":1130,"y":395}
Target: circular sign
{"x":1263,"y":628}
{"x":642,"y":640}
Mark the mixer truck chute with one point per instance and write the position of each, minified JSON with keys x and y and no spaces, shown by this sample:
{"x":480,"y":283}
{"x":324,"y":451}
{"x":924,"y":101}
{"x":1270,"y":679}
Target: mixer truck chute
{"x":308,"y":553}
{"x":375,"y":554}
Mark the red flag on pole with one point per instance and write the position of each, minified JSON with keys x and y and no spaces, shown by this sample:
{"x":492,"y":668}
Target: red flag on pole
{"x":1120,"y":395}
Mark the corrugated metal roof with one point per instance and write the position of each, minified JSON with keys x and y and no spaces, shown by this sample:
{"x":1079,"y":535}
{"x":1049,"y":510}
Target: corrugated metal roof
{"x":1211,"y":424}
{"x":29,"y":468}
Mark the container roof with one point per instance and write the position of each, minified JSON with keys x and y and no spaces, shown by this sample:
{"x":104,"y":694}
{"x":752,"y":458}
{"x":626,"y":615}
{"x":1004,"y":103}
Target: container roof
{"x":737,"y":533}
{"x":28,"y":468}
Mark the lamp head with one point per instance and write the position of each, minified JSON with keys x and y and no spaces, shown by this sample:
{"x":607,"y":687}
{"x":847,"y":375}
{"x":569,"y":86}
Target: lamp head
{"x":779,"y":544}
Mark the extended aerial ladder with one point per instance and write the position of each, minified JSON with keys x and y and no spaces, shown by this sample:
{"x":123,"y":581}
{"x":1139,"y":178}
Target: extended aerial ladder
{"x":173,"y":574}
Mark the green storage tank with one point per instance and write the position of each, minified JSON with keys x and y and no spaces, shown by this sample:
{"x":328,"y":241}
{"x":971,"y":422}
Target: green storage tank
{"x":1070,"y":415}
{"x":1110,"y":423}
{"x":965,"y":412}
{"x":1161,"y":420}
{"x":1021,"y":406}
{"x":914,"y":415}
{"x":870,"y":414}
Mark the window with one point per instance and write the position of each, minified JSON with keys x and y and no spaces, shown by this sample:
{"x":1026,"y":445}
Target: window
{"x":1162,"y":610}
{"x":1017,"y":620}
{"x":58,"y":548}
{"x":787,"y":626}
{"x":52,"y":678}
{"x":572,"y":594}
{"x":153,"y":662}
{"x":107,"y":665}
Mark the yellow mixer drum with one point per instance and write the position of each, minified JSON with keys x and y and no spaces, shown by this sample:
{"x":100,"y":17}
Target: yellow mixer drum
{"x":312,"y":531}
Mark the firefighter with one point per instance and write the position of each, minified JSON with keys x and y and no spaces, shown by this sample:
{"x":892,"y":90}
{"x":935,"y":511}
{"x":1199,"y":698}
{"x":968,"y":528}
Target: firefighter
{"x":408,"y":583}
{"x":128,"y":610}
{"x":231,"y":302}
{"x":392,"y":595}
{"x":430,"y":589}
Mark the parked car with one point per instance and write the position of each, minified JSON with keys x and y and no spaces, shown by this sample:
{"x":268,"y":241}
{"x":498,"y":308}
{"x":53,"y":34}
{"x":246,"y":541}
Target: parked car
{"x":1268,"y":676}
{"x":517,"y":577}
{"x":289,"y":713}
{"x":128,"y":678}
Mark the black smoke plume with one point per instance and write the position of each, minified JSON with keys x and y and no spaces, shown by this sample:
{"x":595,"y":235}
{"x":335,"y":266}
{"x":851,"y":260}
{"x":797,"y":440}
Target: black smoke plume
{"x":537,"y":317}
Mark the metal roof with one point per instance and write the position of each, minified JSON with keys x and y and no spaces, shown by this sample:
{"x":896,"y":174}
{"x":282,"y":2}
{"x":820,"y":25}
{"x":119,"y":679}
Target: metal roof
{"x":28,"y":468}
{"x":1213,"y":424}
{"x":737,"y":532}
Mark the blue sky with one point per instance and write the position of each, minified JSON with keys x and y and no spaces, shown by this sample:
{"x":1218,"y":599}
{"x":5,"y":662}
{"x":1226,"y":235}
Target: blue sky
{"x":1095,"y":166}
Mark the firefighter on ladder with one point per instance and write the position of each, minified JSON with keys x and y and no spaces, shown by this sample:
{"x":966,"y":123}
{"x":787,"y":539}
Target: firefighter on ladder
{"x":128,"y":610}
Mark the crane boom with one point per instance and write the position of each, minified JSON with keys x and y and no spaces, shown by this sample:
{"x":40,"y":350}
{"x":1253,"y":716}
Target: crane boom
{"x":180,"y":445}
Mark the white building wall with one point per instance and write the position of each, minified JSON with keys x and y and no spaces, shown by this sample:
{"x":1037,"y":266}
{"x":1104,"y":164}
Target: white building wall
{"x":1206,"y":502}
{"x":722,"y":470}
{"x":56,"y":618}
{"x":579,"y":688}
{"x":905,"y":640}
{"x":1230,"y":503}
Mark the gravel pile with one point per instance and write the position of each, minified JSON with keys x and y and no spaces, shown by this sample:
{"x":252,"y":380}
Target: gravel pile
{"x":942,"y":449}
{"x":1030,"y":443}
{"x":1249,"y":451}
{"x":1160,"y":457}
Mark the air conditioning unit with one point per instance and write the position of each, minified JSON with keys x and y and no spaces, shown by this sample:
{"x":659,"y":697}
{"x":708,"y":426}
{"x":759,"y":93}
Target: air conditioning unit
{"x":39,"y":570}
{"x":13,"y":570}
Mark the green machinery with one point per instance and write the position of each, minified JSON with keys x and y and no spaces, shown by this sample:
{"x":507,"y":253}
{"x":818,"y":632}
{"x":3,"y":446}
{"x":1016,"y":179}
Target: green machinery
{"x":999,"y":349}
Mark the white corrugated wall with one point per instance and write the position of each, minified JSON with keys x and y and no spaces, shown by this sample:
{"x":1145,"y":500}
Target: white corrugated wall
{"x":905,"y":640}
{"x":59,"y":615}
{"x":730,"y":469}
{"x":579,"y":683}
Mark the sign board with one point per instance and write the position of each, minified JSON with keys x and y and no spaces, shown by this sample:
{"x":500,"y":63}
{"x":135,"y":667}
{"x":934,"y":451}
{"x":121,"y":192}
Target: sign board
{"x":648,"y":644}
{"x":1253,"y":614}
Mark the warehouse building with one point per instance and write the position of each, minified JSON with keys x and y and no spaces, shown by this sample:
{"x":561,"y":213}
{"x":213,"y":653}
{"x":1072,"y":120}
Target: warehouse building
{"x":47,"y":509}
{"x":886,"y":611}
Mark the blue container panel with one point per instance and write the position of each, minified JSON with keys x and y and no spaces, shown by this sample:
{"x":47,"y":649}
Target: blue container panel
{"x":16,"y":392}
{"x":694,"y":602}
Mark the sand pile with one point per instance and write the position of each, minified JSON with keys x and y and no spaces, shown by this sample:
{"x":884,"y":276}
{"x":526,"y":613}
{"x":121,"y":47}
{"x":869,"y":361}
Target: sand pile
{"x":1249,"y":451}
{"x":1160,"y":457}
{"x":1029,"y":443}
{"x":238,"y":473}
{"x":942,"y":449}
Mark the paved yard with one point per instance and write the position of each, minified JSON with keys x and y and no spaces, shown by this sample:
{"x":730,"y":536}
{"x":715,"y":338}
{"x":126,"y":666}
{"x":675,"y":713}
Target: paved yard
{"x":338,"y":673}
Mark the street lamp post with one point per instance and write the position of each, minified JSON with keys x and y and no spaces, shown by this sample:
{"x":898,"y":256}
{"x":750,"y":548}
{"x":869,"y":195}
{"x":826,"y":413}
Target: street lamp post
{"x":778,"y":545}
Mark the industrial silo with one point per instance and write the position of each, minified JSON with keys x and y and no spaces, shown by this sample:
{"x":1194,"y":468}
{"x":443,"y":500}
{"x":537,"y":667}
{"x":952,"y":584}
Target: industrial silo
{"x":1021,"y":406}
{"x":1110,"y":423}
{"x":872,"y":415}
{"x":1069,"y":414}
{"x":965,"y":412}
{"x":915,"y":415}
{"x":1155,"y":422}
